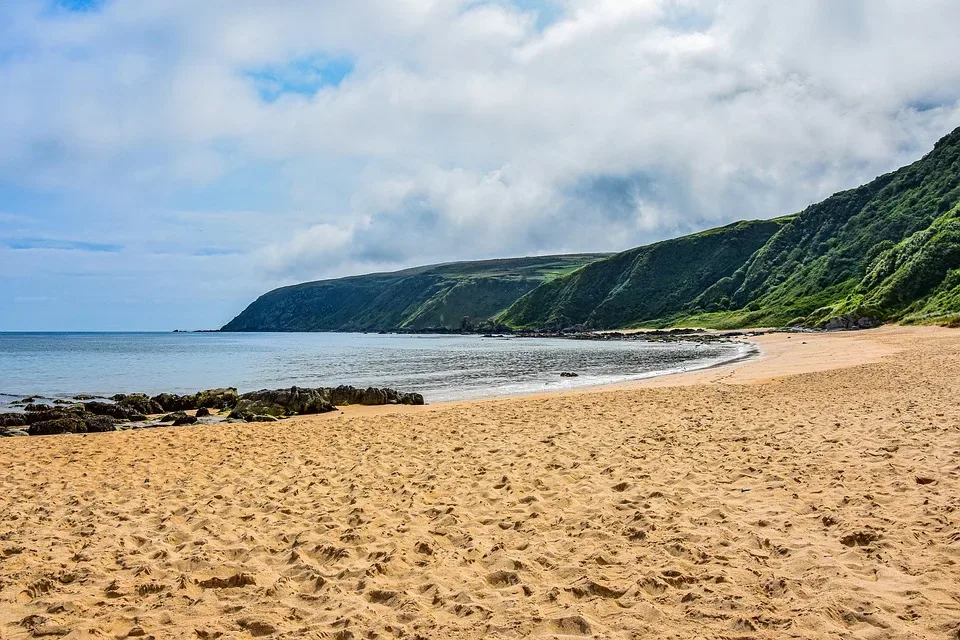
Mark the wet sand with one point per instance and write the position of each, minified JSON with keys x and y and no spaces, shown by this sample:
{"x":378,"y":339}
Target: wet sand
{"x":811,"y":493}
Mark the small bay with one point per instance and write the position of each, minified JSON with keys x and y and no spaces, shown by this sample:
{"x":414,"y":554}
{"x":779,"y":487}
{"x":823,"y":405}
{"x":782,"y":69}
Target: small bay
{"x":441,"y":367}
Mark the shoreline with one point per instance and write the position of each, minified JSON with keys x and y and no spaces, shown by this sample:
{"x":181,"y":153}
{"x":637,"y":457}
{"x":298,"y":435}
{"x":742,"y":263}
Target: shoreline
{"x":520,"y":386}
{"x":777,"y":354}
{"x":766,"y":351}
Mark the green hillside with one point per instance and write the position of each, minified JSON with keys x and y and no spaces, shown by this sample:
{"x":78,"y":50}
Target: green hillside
{"x":889,"y":250}
{"x":642,"y":284}
{"x":433,"y":297}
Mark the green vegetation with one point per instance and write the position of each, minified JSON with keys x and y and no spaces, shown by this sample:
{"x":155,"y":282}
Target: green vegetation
{"x":643,"y":284}
{"x":434,"y":297}
{"x":886,"y":251}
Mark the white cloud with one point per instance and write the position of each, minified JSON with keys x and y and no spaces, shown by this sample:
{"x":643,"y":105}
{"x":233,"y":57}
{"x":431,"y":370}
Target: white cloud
{"x":466,"y":129}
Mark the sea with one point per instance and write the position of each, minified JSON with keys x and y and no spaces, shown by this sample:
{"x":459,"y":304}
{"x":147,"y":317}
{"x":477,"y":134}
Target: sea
{"x":441,"y":367}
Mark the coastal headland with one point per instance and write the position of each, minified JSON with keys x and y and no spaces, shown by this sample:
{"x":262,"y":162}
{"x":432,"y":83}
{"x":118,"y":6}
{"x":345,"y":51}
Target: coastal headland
{"x":813,"y":492}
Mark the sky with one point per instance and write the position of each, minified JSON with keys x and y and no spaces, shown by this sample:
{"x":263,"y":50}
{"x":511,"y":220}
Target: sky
{"x":165,"y":162}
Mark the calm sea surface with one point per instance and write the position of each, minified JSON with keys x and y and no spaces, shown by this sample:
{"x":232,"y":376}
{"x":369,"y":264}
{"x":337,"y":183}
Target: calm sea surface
{"x":439,"y":367}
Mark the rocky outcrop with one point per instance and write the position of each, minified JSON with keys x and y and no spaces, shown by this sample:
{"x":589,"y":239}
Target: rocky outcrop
{"x":71,"y":424}
{"x":280,"y":403}
{"x":141,"y":403}
{"x":223,"y":398}
{"x":13,"y":420}
{"x":174,"y":402}
{"x":118,"y":411}
{"x":98,"y":424}
{"x":851,"y":321}
{"x":344,"y":395}
{"x":258,"y":406}
{"x":74,"y":423}
{"x":178,"y":418}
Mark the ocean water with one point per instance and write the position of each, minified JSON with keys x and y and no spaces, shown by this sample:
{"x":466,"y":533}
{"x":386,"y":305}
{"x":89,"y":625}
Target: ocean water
{"x":441,"y":367}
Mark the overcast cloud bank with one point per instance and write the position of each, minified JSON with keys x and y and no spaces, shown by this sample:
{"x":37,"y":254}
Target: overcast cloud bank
{"x":163,"y":162}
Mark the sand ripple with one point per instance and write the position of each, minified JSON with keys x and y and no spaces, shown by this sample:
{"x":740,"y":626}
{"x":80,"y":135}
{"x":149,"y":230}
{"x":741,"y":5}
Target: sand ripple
{"x":823,"y":505}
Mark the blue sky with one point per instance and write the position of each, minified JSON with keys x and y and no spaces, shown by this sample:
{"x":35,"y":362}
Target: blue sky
{"x":164,"y":162}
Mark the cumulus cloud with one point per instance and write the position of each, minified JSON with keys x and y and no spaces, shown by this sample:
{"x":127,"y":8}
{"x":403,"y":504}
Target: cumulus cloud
{"x":378,"y":134}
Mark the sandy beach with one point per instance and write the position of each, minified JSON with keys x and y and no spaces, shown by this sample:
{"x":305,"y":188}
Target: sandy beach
{"x":811,"y":493}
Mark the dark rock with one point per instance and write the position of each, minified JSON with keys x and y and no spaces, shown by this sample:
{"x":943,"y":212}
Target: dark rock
{"x":174,"y":402}
{"x":569,"y":374}
{"x":281,"y":402}
{"x":13,"y":419}
{"x":119,"y":411}
{"x":203,"y":412}
{"x":99,"y":424}
{"x":83,"y":396}
{"x":72,"y":424}
{"x":179,"y":418}
{"x":33,"y":408}
{"x":344,"y":395}
{"x":851,"y":321}
{"x":140,"y":403}
{"x":374,"y":397}
{"x":23,"y":419}
{"x":223,"y":398}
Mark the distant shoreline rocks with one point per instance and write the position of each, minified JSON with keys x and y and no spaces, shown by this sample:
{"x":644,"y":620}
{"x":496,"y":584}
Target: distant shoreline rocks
{"x":212,"y":406}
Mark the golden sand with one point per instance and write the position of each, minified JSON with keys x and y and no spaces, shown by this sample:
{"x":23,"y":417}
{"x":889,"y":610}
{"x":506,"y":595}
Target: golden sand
{"x":813,"y":493}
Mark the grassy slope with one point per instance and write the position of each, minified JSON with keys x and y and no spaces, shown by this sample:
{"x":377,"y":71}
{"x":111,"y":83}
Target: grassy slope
{"x":642,"y":284}
{"x":424,"y":297}
{"x":889,"y":249}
